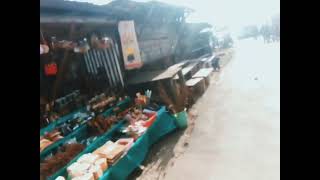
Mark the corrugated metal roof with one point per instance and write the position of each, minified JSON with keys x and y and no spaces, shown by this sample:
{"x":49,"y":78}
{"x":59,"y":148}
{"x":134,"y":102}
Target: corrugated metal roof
{"x":71,"y":6}
{"x":76,"y":19}
{"x":114,"y":8}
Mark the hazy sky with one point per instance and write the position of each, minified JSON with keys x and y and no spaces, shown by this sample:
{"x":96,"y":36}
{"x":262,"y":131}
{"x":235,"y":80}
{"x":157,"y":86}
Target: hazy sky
{"x":232,"y":13}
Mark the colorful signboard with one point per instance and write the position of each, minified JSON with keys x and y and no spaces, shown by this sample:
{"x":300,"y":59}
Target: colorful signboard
{"x":130,"y":47}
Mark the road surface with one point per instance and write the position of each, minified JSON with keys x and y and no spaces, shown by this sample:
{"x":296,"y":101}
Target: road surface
{"x":237,"y":133}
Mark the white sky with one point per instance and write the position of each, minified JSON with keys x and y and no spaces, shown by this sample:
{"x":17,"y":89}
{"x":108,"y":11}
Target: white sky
{"x":231,"y":13}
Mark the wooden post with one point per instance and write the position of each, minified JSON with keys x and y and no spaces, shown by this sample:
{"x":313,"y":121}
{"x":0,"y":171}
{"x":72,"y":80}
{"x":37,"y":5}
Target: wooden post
{"x":181,"y":78}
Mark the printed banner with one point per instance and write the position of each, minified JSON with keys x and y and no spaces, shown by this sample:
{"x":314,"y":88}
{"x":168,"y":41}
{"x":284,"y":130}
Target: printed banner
{"x":130,"y":47}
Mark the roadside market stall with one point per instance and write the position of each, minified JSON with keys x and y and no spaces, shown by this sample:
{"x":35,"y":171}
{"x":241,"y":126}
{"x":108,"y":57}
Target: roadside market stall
{"x":90,"y":127}
{"x":127,"y":156}
{"x":78,"y":129}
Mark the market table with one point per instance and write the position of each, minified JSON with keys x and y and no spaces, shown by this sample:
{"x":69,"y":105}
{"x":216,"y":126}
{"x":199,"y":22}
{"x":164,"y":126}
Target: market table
{"x":80,"y":133}
{"x":164,"y":124}
{"x":123,"y":104}
{"x":60,"y":120}
{"x":97,"y":143}
{"x":204,"y":73}
{"x":77,"y":132}
{"x":189,"y":70}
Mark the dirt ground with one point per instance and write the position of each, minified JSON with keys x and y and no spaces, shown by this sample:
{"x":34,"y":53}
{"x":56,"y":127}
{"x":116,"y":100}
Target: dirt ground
{"x":237,"y":131}
{"x":163,"y":154}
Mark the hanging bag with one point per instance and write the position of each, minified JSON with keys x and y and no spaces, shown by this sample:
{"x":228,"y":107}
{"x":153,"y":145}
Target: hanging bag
{"x":51,"y":69}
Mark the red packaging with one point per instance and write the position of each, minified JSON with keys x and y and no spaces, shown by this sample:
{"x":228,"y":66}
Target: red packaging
{"x":152,"y":118}
{"x":51,"y":69}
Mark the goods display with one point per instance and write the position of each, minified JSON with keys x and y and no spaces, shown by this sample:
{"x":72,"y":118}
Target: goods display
{"x":102,"y":43}
{"x":89,"y":129}
{"x":44,"y":143}
{"x":49,"y":138}
{"x":51,"y":69}
{"x":86,"y":135}
{"x":68,"y":123}
{"x":62,"y":131}
{"x":127,"y":142}
{"x":102,"y":145}
{"x":108,"y":154}
{"x":101,"y":102}
{"x":139,"y":121}
{"x":60,"y":159}
{"x":111,"y":151}
{"x":81,"y":46}
{"x":44,"y":49}
{"x":97,"y":162}
{"x":88,"y":166}
{"x":131,"y":159}
{"x":101,"y":124}
{"x":74,"y":123}
{"x":68,"y":103}
{"x":141,"y":99}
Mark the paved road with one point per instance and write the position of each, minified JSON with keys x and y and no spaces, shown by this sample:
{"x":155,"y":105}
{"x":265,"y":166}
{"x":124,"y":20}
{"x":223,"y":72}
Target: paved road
{"x":237,"y":133}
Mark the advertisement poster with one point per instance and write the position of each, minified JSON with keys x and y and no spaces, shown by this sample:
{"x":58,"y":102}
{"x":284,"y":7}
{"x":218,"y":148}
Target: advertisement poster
{"x":130,"y":47}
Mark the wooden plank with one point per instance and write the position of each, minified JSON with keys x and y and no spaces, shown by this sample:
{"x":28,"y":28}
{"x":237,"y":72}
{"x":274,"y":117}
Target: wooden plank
{"x":187,"y":69}
{"x":150,"y":76}
{"x":204,"y":72}
{"x":193,"y":81}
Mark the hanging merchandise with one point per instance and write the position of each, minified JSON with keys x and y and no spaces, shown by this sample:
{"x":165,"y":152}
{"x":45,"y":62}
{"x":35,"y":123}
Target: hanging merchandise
{"x":51,"y":69}
{"x":94,"y":41}
{"x":44,"y":49}
{"x":65,"y":45}
{"x":105,"y":43}
{"x":82,"y":47}
{"x":68,"y":45}
{"x":97,"y":43}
